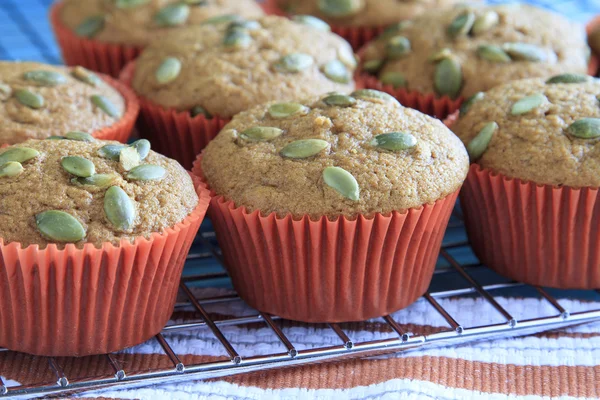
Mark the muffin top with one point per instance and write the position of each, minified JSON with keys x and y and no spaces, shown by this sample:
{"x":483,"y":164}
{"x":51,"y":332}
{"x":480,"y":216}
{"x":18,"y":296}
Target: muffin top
{"x":467,"y":49}
{"x":138,"y":22}
{"x":231,"y":66}
{"x":337,"y":155}
{"x":363,"y":12}
{"x":547,"y":132}
{"x":81,"y":190}
{"x":38,"y":101}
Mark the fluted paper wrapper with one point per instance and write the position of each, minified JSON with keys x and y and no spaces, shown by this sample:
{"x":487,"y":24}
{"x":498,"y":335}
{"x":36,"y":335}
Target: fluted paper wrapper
{"x":330,"y":271}
{"x":78,"y":302}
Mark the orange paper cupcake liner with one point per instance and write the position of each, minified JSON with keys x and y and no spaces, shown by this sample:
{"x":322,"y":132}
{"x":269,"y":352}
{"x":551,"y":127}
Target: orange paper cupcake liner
{"x":77,"y":302}
{"x":538,"y":234}
{"x":121,"y":130}
{"x":174,"y":133}
{"x":330,"y":271}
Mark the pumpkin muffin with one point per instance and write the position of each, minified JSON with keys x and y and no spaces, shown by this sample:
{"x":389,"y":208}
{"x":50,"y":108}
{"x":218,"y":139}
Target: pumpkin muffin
{"x":38,"y":101}
{"x":531,"y":202}
{"x":468,"y":49}
{"x":342,"y":174}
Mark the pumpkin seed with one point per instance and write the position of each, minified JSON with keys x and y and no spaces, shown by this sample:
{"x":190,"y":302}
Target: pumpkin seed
{"x":119,"y":208}
{"x":527,"y":104}
{"x":480,"y":143}
{"x":237,"y":39}
{"x":284,"y":110}
{"x":448,"y":78}
{"x":129,"y":158}
{"x":440,"y":55}
{"x":485,"y":22}
{"x":340,"y":8}
{"x":105,"y":105}
{"x":111,"y":151}
{"x":493,"y":53}
{"x":396,"y":79}
{"x":243,"y":25}
{"x":130,"y":3}
{"x":80,"y":137}
{"x":78,"y":166}
{"x":312,"y":22}
{"x":568,"y":78}
{"x":293,"y":63}
{"x":172,"y":15}
{"x":261,"y":133}
{"x":372,"y":66}
{"x":462,"y":24}
{"x":18,"y":154}
{"x":86,"y":76}
{"x":5,"y":91}
{"x":347,"y":56}
{"x":147,"y":172}
{"x":586,"y":128}
{"x":525,"y":52}
{"x":304,"y":148}
{"x":11,"y":169}
{"x":394,"y":141}
{"x":143,"y":148}
{"x":337,"y":72}
{"x":168,"y":70}
{"x":221,"y":19}
{"x":394,"y":29}
{"x":90,"y":27}
{"x":29,"y":99}
{"x":59,"y":226}
{"x":46,"y":78}
{"x":194,"y":112}
{"x":339,"y":100}
{"x":397,"y":47}
{"x":195,"y":2}
{"x":466,"y":106}
{"x":342,"y":181}
{"x":370,"y":94}
{"x":99,"y":180}
{"x":56,"y":138}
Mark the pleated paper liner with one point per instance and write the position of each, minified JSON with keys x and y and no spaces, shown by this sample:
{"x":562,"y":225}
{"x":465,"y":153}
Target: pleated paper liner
{"x":78,"y":302}
{"x":538,"y":234}
{"x":176,"y":134}
{"x":330,"y":271}
{"x":122,"y":129}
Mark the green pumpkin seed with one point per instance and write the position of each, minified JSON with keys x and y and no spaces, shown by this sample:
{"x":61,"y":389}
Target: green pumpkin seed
{"x":295,"y":62}
{"x":525,"y":52}
{"x":284,"y":110}
{"x":396,"y":79}
{"x":90,"y":27}
{"x":11,"y":169}
{"x":195,"y":2}
{"x":99,"y":180}
{"x":86,"y":76}
{"x":119,"y":208}
{"x":340,"y":8}
{"x":313,"y":22}
{"x":586,"y":128}
{"x":172,"y":15}
{"x":394,"y":141}
{"x":440,"y":55}
{"x":78,"y":166}
{"x":46,"y":78}
{"x":372,"y":66}
{"x":129,"y":158}
{"x":347,"y":56}
{"x":56,"y":138}
{"x":5,"y":91}
{"x":80,"y":137}
{"x":448,"y":78}
{"x":493,"y":53}
{"x":462,"y":24}
{"x":29,"y":99}
{"x":304,"y":148}
{"x":370,"y":94}
{"x":194,"y":112}
{"x":485,"y":22}
{"x":18,"y":154}
{"x":111,"y":151}
{"x":105,"y":105}
{"x":397,"y":47}
{"x":261,"y":133}
{"x":466,"y":106}
{"x":339,"y":100}
{"x":143,"y":148}
{"x":342,"y":181}
{"x":237,"y":40}
{"x":528,"y":104}
{"x":59,"y":226}
{"x":568,"y":78}
{"x":147,"y":172}
{"x":130,"y":3}
{"x":480,"y":143}
{"x":243,"y":25}
{"x":221,"y":19}
{"x":394,"y":29}
{"x":337,"y":72}
{"x":168,"y":70}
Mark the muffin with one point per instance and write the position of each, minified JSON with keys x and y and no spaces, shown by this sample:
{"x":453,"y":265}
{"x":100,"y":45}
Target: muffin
{"x":38,"y":101}
{"x":93,"y":238}
{"x":104,"y":35}
{"x":468,"y":49}
{"x":192,"y":81}
{"x":300,"y":186}
{"x":531,"y":199}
